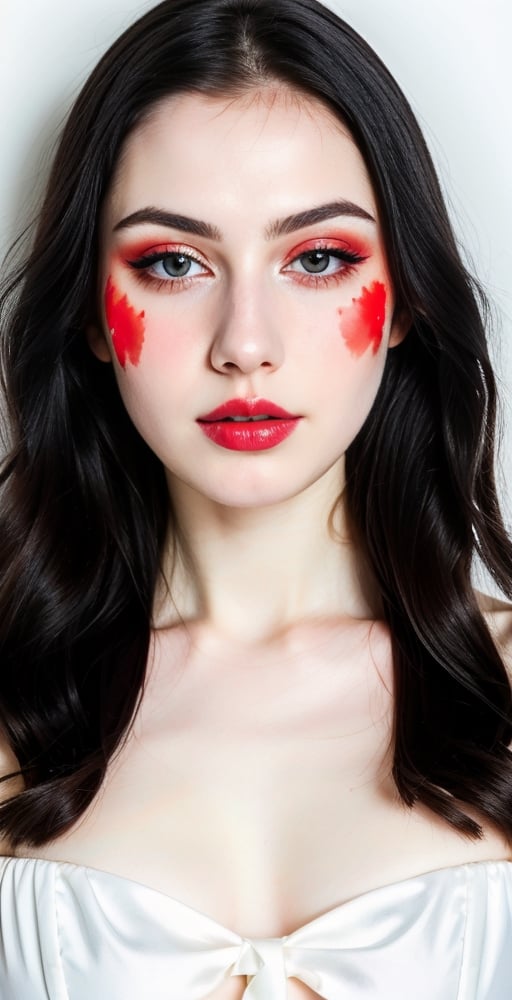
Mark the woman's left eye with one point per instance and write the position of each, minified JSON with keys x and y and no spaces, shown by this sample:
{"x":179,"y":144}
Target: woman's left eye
{"x":324,"y":262}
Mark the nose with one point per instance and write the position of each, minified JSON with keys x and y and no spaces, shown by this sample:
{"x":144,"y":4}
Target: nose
{"x":247,"y":336}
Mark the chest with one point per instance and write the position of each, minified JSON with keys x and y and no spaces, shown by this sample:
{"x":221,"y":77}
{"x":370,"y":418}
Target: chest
{"x":263,"y":797}
{"x":241,"y":779}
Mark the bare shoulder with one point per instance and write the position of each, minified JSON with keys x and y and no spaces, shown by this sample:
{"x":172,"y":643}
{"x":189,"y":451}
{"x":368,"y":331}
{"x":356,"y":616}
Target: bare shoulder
{"x":8,"y":765}
{"x":498,"y":615}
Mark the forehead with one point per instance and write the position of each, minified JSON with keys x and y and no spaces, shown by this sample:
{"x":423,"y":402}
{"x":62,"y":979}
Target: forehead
{"x":270,"y":151}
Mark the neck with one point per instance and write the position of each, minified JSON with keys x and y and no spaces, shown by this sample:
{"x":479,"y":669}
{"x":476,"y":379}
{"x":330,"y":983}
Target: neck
{"x":250,"y":574}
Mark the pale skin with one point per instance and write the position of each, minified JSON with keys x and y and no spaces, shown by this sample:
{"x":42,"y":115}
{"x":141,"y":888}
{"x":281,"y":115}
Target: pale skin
{"x":256,"y":784}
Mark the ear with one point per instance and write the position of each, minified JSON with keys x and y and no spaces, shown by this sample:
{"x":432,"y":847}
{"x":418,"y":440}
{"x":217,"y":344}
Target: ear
{"x":402,"y":322}
{"x":98,"y":343}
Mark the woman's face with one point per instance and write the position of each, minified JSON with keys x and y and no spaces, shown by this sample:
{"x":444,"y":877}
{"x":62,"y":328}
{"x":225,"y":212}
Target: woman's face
{"x":242,"y":263}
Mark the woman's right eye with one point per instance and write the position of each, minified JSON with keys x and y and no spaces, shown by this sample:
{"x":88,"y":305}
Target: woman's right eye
{"x":176,"y":265}
{"x":168,"y":267}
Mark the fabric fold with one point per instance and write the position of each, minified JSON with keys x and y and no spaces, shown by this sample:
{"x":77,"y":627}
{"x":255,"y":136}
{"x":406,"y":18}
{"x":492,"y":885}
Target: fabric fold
{"x":68,"y":932}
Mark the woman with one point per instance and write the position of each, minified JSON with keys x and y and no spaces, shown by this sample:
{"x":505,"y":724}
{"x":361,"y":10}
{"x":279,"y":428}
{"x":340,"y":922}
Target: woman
{"x":244,"y":670}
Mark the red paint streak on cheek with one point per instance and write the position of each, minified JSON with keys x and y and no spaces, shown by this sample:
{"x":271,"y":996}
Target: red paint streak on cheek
{"x":125,"y":325}
{"x":362,"y":323}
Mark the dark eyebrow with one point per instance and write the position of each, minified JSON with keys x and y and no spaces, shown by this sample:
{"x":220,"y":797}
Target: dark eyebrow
{"x":280,"y":227}
{"x":158,"y":217}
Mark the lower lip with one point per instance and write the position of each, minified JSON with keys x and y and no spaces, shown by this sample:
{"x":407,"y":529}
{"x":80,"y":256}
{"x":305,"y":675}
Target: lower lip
{"x":255,"y":435}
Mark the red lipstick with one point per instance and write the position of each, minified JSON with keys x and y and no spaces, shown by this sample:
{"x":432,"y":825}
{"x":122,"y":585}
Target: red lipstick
{"x":248,"y":424}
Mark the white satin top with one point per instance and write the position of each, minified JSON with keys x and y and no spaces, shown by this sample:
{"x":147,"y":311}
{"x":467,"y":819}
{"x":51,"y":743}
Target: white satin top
{"x":68,"y":932}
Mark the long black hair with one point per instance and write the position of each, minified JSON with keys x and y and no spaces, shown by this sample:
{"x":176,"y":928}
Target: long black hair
{"x":85,"y":509}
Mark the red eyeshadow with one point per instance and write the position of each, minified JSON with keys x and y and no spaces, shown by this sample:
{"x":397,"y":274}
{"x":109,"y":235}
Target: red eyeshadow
{"x":131,"y":251}
{"x":352,"y":244}
{"x":125,"y":325}
{"x":362,"y":323}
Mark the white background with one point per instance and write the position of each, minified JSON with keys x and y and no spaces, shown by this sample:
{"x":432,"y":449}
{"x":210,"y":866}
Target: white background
{"x":451,"y":58}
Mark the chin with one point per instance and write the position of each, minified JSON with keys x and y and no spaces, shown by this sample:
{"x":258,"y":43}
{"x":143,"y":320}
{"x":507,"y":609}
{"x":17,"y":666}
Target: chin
{"x":249,"y":499}
{"x":252,"y":489}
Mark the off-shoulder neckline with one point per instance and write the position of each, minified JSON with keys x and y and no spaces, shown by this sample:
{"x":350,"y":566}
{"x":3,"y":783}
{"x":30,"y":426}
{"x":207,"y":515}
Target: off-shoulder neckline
{"x":97,"y":873}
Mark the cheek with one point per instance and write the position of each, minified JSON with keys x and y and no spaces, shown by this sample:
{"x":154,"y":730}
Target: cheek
{"x":126,"y":326}
{"x":362,"y":323}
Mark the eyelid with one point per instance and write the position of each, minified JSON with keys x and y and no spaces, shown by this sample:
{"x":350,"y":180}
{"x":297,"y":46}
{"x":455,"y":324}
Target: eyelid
{"x":138,"y":253}
{"x":350,"y":245}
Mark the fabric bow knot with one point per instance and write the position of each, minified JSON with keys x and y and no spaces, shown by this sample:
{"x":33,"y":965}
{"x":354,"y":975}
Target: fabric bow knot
{"x":265,"y":961}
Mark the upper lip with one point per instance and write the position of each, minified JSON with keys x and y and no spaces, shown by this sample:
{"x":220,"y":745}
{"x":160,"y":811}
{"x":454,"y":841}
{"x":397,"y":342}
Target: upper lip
{"x":247,"y":408}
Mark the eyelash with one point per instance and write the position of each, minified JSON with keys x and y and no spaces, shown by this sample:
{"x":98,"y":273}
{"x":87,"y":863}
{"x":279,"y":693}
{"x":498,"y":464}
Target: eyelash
{"x":350,"y":258}
{"x":142,"y":265}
